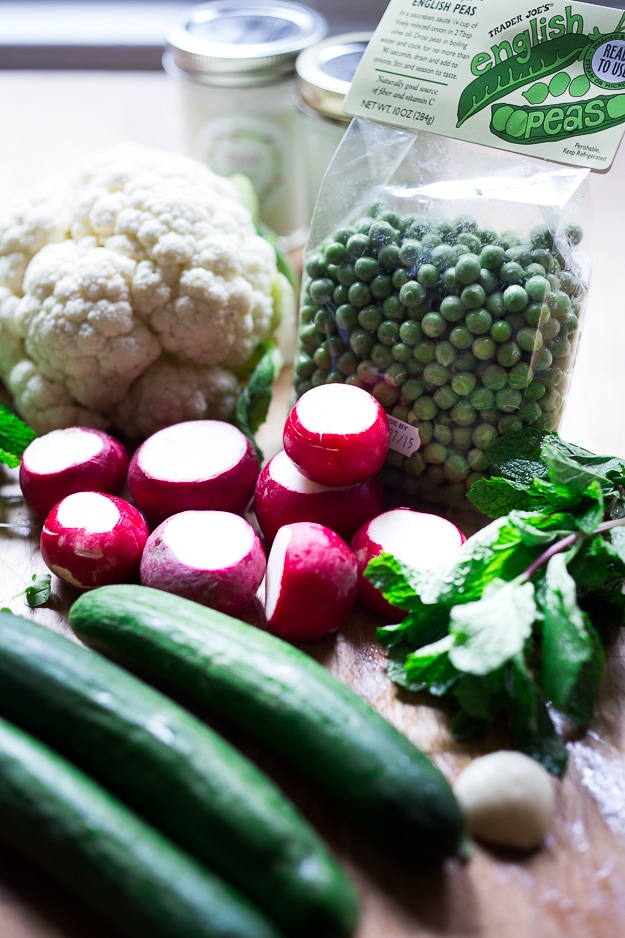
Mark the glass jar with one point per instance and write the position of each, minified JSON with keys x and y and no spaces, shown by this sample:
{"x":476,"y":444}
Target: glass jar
{"x":324,"y":74}
{"x":235,"y":62}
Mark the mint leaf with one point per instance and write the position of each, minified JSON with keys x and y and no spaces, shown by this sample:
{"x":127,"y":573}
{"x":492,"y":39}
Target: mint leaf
{"x":518,"y":455}
{"x":490,"y":631}
{"x":576,"y":472}
{"x":39,"y":590}
{"x":398,"y":582}
{"x":15,"y":435}
{"x":497,"y":496}
{"x":568,"y":647}
{"x":430,"y":668}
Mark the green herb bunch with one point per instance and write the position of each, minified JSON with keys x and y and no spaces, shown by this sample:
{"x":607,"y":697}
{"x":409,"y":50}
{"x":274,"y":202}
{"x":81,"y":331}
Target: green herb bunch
{"x":513,"y":629}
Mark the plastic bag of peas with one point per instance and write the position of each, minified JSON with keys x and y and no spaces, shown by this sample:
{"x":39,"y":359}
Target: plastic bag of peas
{"x":449,"y":280}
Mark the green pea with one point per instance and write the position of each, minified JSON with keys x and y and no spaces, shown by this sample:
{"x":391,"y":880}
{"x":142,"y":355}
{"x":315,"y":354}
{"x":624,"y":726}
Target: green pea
{"x":424,"y":351}
{"x":346,"y":275}
{"x":508,"y":400}
{"x":501,"y":331}
{"x":473,"y":296}
{"x":465,"y":360}
{"x":537,"y":288}
{"x":511,"y":272}
{"x":559,"y":303}
{"x":441,"y":433}
{"x":401,"y":352}
{"x":535,"y":390}
{"x":370,"y":317}
{"x":309,"y":337}
{"x":460,"y":337}
{"x":560,"y":347}
{"x":495,"y":305}
{"x":529,"y":339}
{"x":359,"y":294}
{"x":488,"y":281}
{"x":321,"y":290}
{"x":388,"y":332}
{"x":463,"y":382}
{"x":445,"y":353}
{"x":482,"y":398}
{"x":530,"y":412}
{"x":399,"y":277}
{"x":456,"y":468}
{"x":386,"y":394}
{"x":471,"y":240}
{"x":410,"y":332}
{"x":435,"y":453}
{"x":468,"y":268}
{"x":336,"y":253}
{"x":412,"y":294}
{"x":484,"y":435}
{"x":509,"y":423}
{"x":410,"y":252}
{"x":346,"y":317}
{"x":452,"y":308}
{"x":361,"y":342}
{"x":315,"y":266}
{"x":357,"y":245}
{"x":367,"y":372}
{"x":543,"y":359}
{"x":461,"y":437}
{"x":484,"y":348}
{"x":515,"y":299}
{"x":396,"y":373}
{"x":319,"y":377}
{"x":389,"y":256}
{"x":307,"y":313}
{"x":321,"y":358}
{"x":427,"y":275}
{"x":494,"y":378}
{"x":445,"y":397}
{"x":425,"y":408}
{"x":433,"y":325}
{"x":340,"y":295}
{"x":478,"y":460}
{"x":544,"y":257}
{"x":366,"y":268}
{"x":536,"y":314}
{"x":569,"y":322}
{"x":508,"y":354}
{"x":492,"y":256}
{"x":412,"y":389}
{"x":435,"y":373}
{"x":448,"y":280}
{"x":401,"y":412}
{"x":520,"y":375}
{"x":381,"y":234}
{"x":443,"y":256}
{"x":347,"y":363}
{"x":479,"y":321}
{"x":392,"y":307}
{"x":381,"y":356}
{"x":463,"y":414}
{"x":303,"y":365}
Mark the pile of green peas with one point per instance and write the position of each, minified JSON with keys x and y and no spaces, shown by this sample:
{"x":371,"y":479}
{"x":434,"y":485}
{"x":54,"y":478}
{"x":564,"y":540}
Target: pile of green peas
{"x":457,"y":330}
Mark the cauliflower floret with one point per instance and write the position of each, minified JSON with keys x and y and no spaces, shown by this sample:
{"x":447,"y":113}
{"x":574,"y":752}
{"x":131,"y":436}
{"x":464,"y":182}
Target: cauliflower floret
{"x":136,"y":298}
{"x":176,"y":392}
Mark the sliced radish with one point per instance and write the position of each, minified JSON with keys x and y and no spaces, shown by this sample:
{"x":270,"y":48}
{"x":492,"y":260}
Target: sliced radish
{"x":202,"y":465}
{"x":94,"y":539}
{"x":337,"y":434}
{"x":311,"y":582}
{"x":73,"y":459}
{"x":215,"y":558}
{"x":283,"y":495}
{"x":419,"y":539}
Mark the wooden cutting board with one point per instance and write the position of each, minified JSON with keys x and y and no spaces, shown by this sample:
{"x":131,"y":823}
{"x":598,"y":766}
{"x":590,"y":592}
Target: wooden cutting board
{"x":574,"y":887}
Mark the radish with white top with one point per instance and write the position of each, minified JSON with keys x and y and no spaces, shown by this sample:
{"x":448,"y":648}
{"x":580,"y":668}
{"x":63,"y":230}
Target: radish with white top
{"x":92,"y":539}
{"x":337,"y":434}
{"x":311,"y":582}
{"x":73,"y":459}
{"x":283,"y":495}
{"x":416,"y":538}
{"x":215,"y":558}
{"x":202,"y":465}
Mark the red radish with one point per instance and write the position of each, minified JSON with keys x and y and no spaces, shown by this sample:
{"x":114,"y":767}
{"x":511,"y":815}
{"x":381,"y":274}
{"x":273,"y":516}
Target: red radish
{"x":311,"y":582}
{"x":337,"y":434}
{"x":202,"y":465}
{"x":94,"y":539}
{"x":74,"y":459}
{"x":284,"y":495}
{"x":215,"y":558}
{"x":416,"y":538}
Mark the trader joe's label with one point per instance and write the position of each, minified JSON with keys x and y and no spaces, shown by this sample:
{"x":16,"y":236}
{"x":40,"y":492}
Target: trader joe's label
{"x":547,"y":79}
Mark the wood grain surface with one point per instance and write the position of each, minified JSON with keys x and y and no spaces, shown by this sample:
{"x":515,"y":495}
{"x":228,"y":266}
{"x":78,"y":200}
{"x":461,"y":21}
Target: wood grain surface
{"x":574,"y":887}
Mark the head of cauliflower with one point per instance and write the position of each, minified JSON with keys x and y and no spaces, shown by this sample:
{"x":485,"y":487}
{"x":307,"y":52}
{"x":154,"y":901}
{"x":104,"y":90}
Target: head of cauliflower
{"x":135,"y":295}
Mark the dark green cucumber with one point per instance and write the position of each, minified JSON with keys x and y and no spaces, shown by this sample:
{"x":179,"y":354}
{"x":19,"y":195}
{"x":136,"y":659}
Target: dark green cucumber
{"x":178,"y":773}
{"x":284,"y":698}
{"x":122,"y":868}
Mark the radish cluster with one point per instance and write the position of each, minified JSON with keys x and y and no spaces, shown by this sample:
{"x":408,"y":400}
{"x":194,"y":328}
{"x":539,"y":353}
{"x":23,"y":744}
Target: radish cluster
{"x":191,"y":512}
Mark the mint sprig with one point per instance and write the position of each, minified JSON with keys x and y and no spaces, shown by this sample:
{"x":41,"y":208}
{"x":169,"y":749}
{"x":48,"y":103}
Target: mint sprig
{"x":512,"y":630}
{"x":15,"y":435}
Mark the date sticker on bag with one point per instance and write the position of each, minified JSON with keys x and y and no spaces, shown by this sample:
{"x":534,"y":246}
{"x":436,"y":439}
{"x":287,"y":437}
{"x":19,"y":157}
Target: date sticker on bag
{"x":544,"y":79}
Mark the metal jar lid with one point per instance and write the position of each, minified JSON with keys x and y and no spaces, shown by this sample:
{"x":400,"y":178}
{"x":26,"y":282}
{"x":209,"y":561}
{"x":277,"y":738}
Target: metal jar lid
{"x":325,"y":71}
{"x":241,"y":42}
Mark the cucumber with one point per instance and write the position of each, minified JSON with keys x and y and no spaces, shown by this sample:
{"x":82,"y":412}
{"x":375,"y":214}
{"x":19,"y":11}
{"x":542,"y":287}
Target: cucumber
{"x":282,"y":697}
{"x":122,"y":868}
{"x":175,"y":771}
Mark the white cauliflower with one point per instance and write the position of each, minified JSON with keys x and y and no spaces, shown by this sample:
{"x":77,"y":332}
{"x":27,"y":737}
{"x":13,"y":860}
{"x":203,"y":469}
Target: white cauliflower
{"x":135,"y":296}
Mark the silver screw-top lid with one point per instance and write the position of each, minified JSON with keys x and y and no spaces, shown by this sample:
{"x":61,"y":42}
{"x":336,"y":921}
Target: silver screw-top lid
{"x":325,"y":71}
{"x":241,"y":42}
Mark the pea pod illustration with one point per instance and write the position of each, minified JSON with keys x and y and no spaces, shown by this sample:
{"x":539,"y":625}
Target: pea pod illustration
{"x":523,"y":125}
{"x":514,"y":72}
